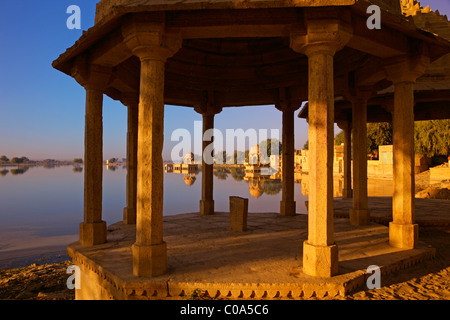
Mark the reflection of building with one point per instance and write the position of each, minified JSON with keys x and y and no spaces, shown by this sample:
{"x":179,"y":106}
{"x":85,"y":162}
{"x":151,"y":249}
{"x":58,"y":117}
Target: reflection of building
{"x":189,"y":179}
{"x":256,"y":187}
{"x":189,"y":170}
{"x":187,"y":167}
{"x":263,"y":184}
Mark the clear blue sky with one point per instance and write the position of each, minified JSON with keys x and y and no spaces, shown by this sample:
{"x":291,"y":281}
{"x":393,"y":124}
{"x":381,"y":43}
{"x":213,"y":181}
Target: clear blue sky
{"x":42,"y":109}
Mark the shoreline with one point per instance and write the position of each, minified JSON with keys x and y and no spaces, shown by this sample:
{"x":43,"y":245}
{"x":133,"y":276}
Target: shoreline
{"x":25,"y":257}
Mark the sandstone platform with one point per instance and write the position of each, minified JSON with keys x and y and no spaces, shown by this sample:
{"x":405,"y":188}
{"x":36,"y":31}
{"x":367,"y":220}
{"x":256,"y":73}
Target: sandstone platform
{"x":265,"y":262}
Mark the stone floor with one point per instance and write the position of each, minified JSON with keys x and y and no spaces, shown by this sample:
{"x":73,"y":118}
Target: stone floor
{"x":264,"y":262}
{"x":428,"y":212}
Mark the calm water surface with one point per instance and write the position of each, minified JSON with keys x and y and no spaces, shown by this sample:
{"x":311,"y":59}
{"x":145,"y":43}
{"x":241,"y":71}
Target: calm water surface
{"x":42,"y":207}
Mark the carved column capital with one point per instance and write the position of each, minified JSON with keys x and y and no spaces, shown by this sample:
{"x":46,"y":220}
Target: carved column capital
{"x":322,"y":36}
{"x":208,"y":107}
{"x":285,"y":102}
{"x":344,"y":125}
{"x":130,"y":99}
{"x":405,"y":68}
{"x":91,"y":76}
{"x":149,"y":40}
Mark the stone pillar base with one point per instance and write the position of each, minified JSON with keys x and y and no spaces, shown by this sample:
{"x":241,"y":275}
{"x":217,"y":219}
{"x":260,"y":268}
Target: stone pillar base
{"x":206,"y":207}
{"x":359,"y":217}
{"x":287,"y":208}
{"x":129,"y":215}
{"x":92,"y":233}
{"x":320,"y":261}
{"x":347,"y":193}
{"x":403,"y":236}
{"x":149,"y":261}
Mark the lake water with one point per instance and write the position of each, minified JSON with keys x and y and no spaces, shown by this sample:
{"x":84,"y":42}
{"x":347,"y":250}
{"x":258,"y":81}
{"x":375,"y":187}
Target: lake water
{"x":41,"y":208}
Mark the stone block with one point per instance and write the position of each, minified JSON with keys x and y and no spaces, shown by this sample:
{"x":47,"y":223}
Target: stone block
{"x":206,"y":207}
{"x":320,"y":261}
{"x":287,"y":208}
{"x":405,"y":236}
{"x":359,"y":217}
{"x":149,"y":260}
{"x":238,"y":213}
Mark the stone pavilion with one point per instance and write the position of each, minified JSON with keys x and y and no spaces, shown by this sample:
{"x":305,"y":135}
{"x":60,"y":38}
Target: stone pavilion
{"x":213,"y":54}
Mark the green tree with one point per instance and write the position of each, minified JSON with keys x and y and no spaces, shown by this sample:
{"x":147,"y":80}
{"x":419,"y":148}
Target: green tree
{"x":77,"y":160}
{"x":221,"y":157}
{"x":238,"y":157}
{"x":378,"y":134}
{"x":4,"y":159}
{"x":16,"y":160}
{"x":237,"y":174}
{"x":339,"y":138}
{"x":273,"y":147}
{"x":432,"y":137}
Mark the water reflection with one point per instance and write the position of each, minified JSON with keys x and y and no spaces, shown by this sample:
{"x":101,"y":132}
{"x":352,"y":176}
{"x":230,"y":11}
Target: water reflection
{"x":53,"y":203}
{"x":22,"y":169}
{"x":77,"y":169}
{"x":18,"y":171}
{"x":189,"y":179}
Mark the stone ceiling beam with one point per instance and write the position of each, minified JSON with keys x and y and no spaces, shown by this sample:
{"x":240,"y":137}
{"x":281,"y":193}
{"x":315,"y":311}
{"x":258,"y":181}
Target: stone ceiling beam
{"x":111,"y":51}
{"x":384,"y":43}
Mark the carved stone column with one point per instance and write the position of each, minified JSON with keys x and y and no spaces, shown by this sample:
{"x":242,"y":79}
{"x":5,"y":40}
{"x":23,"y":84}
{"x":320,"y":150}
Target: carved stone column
{"x":360,"y":214}
{"x":403,"y":72}
{"x":129,"y":212}
{"x":95,"y":79}
{"x":346,"y":127}
{"x":323,"y":39}
{"x":287,"y":204}
{"x":208,"y":111}
{"x":153,"y":46}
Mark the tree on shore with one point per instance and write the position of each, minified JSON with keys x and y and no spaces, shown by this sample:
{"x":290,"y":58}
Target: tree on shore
{"x":16,"y":160}
{"x":432,"y":137}
{"x":77,"y":161}
{"x":4,"y":158}
{"x":378,"y":134}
